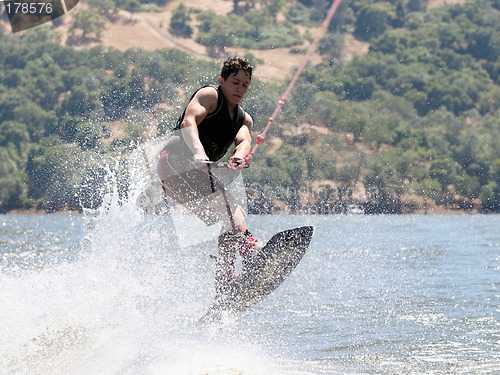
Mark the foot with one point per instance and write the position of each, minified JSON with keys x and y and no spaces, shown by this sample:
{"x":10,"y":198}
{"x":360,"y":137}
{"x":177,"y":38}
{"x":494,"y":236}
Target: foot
{"x":249,"y":250}
{"x":230,"y":244}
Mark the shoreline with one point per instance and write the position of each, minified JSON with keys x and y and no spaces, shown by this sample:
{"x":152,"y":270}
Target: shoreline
{"x":434,"y":211}
{"x":40,"y":212}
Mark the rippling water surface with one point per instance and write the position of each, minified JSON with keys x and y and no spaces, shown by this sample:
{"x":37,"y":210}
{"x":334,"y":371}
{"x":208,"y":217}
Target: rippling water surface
{"x":121,"y":293}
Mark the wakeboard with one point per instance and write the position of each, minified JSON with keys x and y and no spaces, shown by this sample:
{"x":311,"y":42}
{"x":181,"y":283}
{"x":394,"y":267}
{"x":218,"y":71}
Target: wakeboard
{"x":266,"y":272}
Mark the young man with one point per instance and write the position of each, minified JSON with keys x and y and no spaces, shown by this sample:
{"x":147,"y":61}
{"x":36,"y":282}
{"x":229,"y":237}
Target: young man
{"x":211,"y":122}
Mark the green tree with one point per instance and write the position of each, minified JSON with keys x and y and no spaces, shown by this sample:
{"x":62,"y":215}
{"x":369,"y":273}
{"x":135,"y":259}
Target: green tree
{"x":373,"y":20}
{"x":490,"y":197}
{"x":54,"y":174}
{"x":332,"y":45}
{"x":273,"y":7}
{"x":429,"y":188}
{"x":179,"y":23}
{"x":115,"y":96}
{"x":132,"y":6}
{"x":237,"y":9}
{"x":344,"y":19}
{"x":323,"y":109}
{"x":15,"y":134}
{"x":383,"y":183}
{"x":489,"y":101}
{"x":214,"y":33}
{"x":416,"y":5}
{"x":257,"y":18}
{"x":12,"y":188}
{"x":88,"y":135}
{"x":80,"y":102}
{"x":381,"y":129}
{"x":87,"y":26}
{"x":106,"y":8}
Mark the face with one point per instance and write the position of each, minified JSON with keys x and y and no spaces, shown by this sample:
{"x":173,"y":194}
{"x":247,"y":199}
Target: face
{"x":235,"y":86}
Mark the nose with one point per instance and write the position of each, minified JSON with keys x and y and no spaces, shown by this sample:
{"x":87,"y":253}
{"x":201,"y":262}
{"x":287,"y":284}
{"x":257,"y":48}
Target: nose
{"x":241,"y":88}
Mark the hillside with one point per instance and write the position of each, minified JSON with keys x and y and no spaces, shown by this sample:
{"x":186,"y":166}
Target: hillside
{"x":403,"y":128}
{"x":149,"y":31}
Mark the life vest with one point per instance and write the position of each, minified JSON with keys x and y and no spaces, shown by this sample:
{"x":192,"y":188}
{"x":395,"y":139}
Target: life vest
{"x":218,"y":130}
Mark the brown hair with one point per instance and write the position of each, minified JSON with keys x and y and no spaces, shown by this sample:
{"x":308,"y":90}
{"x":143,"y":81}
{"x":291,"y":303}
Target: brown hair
{"x":234,"y":64}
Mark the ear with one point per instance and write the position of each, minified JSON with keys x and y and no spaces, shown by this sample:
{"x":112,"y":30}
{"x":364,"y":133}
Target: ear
{"x":221,"y":80}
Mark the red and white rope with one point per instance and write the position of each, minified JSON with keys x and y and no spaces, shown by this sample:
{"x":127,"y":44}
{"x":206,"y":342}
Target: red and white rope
{"x":281,"y":102}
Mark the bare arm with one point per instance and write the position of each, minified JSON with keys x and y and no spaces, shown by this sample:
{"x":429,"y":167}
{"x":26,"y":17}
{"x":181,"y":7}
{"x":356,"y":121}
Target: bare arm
{"x":242,"y":141}
{"x":204,"y":102}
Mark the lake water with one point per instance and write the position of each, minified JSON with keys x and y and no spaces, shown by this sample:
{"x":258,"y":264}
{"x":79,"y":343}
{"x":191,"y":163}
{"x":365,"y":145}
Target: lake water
{"x":121,"y":293}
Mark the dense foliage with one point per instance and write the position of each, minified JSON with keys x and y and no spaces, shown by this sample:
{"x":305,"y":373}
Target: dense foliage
{"x":58,"y":106}
{"x":417,"y":116}
{"x":424,"y":102}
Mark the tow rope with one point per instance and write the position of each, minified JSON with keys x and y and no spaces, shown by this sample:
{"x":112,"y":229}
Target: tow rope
{"x":281,"y":102}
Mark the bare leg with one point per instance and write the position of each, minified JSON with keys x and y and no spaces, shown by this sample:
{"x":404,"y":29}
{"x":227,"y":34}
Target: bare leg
{"x":225,"y":264}
{"x":231,"y":243}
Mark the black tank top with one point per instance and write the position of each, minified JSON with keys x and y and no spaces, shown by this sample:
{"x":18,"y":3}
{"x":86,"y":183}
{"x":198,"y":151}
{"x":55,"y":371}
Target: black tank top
{"x":218,"y":130}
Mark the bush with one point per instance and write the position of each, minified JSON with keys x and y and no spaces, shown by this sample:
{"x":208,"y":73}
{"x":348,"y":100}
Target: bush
{"x":179,"y":23}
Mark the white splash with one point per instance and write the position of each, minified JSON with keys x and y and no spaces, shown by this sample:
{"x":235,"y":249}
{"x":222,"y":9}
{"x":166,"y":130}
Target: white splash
{"x":128,"y":304}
